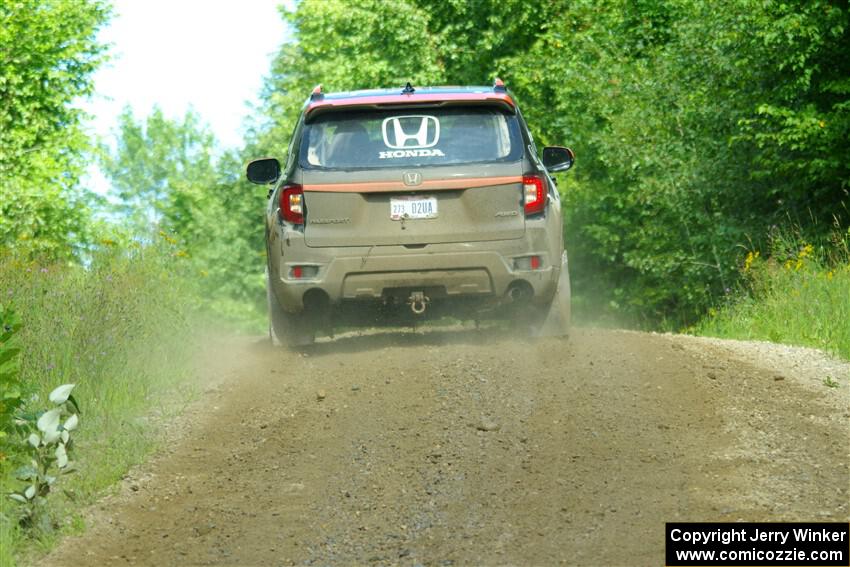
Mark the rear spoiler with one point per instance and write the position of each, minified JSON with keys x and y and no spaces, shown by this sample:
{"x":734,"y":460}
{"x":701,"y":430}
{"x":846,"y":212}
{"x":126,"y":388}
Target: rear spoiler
{"x":316,"y":106}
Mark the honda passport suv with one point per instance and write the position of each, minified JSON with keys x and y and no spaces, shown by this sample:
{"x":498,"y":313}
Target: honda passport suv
{"x":401,"y":204}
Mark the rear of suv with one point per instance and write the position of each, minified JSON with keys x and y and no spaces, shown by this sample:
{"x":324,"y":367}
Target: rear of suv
{"x":398,"y":205}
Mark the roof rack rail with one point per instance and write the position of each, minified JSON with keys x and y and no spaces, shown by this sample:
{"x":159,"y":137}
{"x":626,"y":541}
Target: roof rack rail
{"x":317,"y":93}
{"x":499,"y":85}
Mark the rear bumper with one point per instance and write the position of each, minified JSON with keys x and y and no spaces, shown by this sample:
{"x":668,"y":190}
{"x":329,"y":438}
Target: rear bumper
{"x":457,"y":270}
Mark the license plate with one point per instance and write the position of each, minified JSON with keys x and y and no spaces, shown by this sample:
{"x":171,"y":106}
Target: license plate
{"x":413,"y":208}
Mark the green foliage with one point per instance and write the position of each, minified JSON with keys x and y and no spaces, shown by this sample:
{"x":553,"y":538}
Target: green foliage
{"x":161,"y":170}
{"x":473,"y":36}
{"x":799,"y":294}
{"x":801,"y":126}
{"x":343,"y":46}
{"x":123,"y":329}
{"x":170,"y":184}
{"x":46,"y":436}
{"x":46,"y":214}
{"x":11,"y":387}
{"x":669,"y":105}
{"x":48,"y":51}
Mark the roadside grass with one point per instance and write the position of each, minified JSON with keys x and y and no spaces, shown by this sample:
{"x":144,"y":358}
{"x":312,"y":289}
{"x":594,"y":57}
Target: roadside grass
{"x":798,"y":295}
{"x":121,"y":329}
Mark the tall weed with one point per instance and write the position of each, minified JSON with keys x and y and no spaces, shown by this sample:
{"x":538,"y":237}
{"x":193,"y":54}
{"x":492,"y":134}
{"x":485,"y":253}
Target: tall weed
{"x":121,"y":328}
{"x":799,"y":294}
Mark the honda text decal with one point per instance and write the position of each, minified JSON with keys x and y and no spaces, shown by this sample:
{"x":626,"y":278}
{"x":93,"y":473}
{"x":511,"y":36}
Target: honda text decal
{"x":411,"y":136}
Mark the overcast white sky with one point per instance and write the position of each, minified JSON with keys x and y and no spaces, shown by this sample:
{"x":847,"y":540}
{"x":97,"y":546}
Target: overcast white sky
{"x":210,"y":54}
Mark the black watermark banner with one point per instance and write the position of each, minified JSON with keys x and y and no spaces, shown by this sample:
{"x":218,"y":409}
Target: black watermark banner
{"x":762,"y":544}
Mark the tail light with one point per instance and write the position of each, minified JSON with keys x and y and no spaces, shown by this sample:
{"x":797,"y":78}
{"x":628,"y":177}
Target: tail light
{"x":534,"y":194}
{"x":526,"y":263}
{"x":303,"y":272}
{"x":292,"y":204}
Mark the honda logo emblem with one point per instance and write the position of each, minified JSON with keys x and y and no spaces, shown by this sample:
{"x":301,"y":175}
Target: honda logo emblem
{"x":411,"y":132}
{"x":411,"y":178}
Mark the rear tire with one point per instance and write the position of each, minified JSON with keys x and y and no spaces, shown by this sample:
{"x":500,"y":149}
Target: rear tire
{"x":554,"y":319}
{"x":289,"y":329}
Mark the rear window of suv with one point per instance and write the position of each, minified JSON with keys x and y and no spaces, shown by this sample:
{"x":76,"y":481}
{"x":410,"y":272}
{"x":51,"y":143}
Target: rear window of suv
{"x":410,"y":137}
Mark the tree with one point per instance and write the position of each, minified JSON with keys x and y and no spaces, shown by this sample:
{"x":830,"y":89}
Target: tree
{"x":799,"y":130}
{"x":48,"y":52}
{"x":472,"y":37}
{"x":160,"y":170}
{"x":343,"y":46}
{"x":697,"y":126}
{"x":168,"y":180}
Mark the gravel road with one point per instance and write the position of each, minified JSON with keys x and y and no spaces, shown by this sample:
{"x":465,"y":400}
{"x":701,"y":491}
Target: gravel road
{"x":459,"y":447}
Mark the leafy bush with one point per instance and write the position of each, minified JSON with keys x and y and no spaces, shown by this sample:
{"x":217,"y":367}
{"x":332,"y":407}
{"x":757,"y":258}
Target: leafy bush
{"x":48,"y":442}
{"x":11,"y":387}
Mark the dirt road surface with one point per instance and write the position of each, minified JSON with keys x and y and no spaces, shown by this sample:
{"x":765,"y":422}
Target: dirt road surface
{"x":465,"y":447}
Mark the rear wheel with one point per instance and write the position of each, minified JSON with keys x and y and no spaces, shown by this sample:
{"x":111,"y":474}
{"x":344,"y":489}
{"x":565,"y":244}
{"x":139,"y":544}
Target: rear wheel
{"x":553,"y":319}
{"x":289,"y":329}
